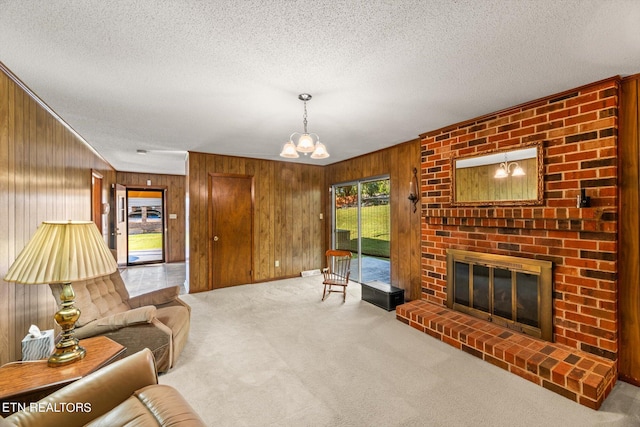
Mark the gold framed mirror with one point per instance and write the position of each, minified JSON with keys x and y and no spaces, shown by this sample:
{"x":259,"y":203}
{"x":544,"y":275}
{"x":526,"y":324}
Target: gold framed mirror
{"x":506,"y":177}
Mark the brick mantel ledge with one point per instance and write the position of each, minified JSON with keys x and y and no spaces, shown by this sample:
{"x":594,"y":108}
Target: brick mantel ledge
{"x":579,"y":376}
{"x":586,"y":219}
{"x":595,"y":213}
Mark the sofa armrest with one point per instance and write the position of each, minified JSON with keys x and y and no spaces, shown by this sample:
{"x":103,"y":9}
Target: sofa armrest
{"x":94,"y":395}
{"x":117,"y":321}
{"x":157,"y":297}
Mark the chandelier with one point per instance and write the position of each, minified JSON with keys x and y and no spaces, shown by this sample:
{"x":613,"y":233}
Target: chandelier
{"x":505,"y":169}
{"x":304,"y":142}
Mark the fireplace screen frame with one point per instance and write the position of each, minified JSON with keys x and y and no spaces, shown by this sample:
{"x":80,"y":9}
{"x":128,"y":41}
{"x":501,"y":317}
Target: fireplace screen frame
{"x":541,"y":269}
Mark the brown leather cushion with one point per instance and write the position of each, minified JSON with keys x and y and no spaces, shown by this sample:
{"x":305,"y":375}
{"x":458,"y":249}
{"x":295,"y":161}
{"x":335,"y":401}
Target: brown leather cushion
{"x":129,"y":411}
{"x":152,"y":405}
{"x":96,"y":298}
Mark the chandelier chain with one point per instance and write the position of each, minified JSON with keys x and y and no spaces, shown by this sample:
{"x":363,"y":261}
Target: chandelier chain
{"x":304,"y":121}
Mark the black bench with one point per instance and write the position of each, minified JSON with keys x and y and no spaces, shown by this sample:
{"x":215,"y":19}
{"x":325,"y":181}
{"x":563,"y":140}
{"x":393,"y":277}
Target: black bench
{"x":382,"y":294}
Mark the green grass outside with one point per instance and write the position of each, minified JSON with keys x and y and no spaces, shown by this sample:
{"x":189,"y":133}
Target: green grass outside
{"x":375,"y":229}
{"x":145,"y":241}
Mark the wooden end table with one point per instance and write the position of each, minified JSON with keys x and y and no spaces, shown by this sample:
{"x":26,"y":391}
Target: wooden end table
{"x":24,"y":382}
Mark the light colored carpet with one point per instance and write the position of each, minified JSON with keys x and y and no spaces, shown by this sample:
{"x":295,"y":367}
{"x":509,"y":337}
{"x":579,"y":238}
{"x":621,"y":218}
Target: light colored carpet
{"x":273,"y":354}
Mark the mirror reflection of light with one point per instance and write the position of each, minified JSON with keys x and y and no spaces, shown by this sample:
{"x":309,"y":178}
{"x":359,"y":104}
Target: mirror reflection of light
{"x":518,"y":171}
{"x":505,"y":167}
{"x":501,"y":173}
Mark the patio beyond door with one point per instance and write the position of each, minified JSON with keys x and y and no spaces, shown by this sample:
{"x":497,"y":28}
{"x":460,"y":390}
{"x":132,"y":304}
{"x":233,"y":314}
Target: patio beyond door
{"x":145,"y":226}
{"x":361,"y":224}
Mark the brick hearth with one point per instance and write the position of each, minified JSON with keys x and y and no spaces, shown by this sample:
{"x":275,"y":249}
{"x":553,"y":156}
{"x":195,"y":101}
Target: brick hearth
{"x":579,"y":376}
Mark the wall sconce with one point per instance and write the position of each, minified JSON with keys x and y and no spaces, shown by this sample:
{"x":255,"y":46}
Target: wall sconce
{"x":583,"y":201}
{"x":414,"y":195}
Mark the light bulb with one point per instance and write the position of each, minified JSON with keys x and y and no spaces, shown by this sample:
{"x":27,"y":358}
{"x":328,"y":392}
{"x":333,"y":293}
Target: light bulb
{"x":305,"y":143}
{"x":501,"y":173}
{"x":289,"y":151}
{"x":517,"y":171}
{"x":320,"y":151}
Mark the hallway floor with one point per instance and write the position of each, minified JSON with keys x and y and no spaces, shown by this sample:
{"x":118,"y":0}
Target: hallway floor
{"x":140,"y":279}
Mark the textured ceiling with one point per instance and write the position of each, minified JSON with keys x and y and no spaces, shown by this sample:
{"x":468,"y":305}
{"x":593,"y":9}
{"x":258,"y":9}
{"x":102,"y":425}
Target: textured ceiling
{"x":223,"y":76}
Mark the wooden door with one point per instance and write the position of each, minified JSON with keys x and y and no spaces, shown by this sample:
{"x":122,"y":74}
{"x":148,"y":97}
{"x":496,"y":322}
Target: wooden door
{"x":96,"y":199}
{"x":120,"y":229}
{"x":629,"y":231}
{"x":230,"y":230}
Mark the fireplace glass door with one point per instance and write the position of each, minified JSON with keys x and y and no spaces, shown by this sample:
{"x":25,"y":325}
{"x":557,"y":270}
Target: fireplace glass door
{"x":513,"y":294}
{"x":503,"y":293}
{"x":527,"y":296}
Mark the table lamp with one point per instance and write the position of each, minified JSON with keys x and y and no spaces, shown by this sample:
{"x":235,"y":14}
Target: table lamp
{"x":63,"y":252}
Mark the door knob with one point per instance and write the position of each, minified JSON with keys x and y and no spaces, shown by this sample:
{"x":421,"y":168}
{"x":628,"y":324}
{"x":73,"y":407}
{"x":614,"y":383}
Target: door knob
{"x":215,"y":238}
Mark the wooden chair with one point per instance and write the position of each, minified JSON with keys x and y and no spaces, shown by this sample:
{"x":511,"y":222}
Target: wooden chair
{"x":336,"y":273}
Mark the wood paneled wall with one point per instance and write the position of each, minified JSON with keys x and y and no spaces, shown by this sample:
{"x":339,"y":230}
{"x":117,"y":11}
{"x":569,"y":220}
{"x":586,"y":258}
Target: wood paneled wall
{"x":45,"y":174}
{"x":629,"y":231}
{"x":288,"y":200}
{"x":175,"y":204}
{"x":397,"y":162}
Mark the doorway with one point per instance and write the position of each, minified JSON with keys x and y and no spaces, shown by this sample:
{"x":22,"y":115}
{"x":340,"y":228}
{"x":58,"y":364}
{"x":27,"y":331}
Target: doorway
{"x":362,"y":225}
{"x":119,"y":236}
{"x":145,"y":226}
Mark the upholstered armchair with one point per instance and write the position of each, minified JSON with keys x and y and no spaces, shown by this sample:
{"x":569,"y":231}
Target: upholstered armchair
{"x":157,"y":320}
{"x":125,"y":393}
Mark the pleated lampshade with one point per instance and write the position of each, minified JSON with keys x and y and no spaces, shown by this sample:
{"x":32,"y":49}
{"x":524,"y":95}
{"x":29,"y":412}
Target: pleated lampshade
{"x":62,"y":252}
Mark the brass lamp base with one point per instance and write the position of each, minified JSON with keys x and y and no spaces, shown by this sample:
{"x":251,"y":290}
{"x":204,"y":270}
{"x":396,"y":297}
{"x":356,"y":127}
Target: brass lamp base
{"x":67,"y":349}
{"x":66,"y":354}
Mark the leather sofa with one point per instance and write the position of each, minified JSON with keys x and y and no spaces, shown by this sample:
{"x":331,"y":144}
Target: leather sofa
{"x":123,"y":393}
{"x":157,"y":320}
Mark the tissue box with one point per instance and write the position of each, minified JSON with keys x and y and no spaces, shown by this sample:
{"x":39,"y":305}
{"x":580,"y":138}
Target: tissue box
{"x":36,"y":348}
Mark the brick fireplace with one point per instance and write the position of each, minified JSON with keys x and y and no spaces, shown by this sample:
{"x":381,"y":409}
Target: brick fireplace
{"x":578,"y":132}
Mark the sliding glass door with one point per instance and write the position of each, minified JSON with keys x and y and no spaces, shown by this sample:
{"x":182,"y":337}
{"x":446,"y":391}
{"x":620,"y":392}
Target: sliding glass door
{"x":361,"y":224}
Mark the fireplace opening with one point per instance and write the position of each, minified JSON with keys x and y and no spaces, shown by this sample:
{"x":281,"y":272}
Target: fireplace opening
{"x":510,"y":291}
